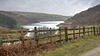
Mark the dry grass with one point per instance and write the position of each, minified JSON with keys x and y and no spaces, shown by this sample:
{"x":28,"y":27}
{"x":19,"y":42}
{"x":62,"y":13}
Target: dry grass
{"x":18,"y":50}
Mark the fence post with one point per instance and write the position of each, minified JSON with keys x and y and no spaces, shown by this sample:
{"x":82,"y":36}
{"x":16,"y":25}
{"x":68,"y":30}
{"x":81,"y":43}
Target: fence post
{"x":22,"y":37}
{"x":84,"y":31}
{"x":36,"y":37}
{"x":88,"y":31}
{"x":99,"y":29}
{"x":60,"y":34}
{"x":1,"y":37}
{"x":74,"y":32}
{"x":91,"y":31}
{"x":50,"y":36}
{"x":66,"y":34}
{"x":94,"y":29}
{"x":79,"y":32}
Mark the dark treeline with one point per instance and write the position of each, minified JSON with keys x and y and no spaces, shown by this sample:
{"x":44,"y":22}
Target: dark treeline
{"x":8,"y":22}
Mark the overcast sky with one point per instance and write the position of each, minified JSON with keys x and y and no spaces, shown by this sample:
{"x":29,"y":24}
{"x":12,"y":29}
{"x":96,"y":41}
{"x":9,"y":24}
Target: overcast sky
{"x":62,"y":7}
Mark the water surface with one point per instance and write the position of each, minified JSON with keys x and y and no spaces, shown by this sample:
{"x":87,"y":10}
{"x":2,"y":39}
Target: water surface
{"x":49,"y":24}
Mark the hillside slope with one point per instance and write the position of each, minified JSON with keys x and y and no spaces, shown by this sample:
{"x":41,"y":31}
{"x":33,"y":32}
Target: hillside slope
{"x":87,"y":17}
{"x":19,"y":18}
{"x":23,"y":18}
{"x":43,"y":16}
{"x":8,"y":22}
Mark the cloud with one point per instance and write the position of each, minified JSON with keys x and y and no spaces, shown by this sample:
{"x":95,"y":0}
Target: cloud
{"x":62,"y":7}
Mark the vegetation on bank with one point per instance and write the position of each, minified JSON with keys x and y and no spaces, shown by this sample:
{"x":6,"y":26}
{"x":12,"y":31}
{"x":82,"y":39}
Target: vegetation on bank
{"x":8,"y":22}
{"x":74,"y":47}
{"x":71,"y":48}
{"x":47,"y":43}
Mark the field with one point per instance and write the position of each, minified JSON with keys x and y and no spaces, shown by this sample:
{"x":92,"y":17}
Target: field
{"x":74,"y":47}
{"x":65,"y":41}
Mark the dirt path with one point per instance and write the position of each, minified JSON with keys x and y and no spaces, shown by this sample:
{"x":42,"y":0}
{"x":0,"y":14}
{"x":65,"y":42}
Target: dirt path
{"x":93,"y":52}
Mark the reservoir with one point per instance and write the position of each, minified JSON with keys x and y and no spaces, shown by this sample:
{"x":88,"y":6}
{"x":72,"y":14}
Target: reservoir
{"x":49,"y":24}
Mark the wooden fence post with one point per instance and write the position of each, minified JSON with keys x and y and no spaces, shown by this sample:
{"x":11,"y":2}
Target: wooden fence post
{"x":74,"y":32}
{"x":1,"y":37}
{"x":66,"y":34}
{"x":50,"y":36}
{"x":99,"y":29}
{"x":91,"y":31}
{"x":84,"y":31}
{"x":88,"y":31}
{"x":60,"y":34}
{"x":36,"y":37}
{"x":79,"y":32}
{"x":22,"y":37}
{"x":94,"y":30}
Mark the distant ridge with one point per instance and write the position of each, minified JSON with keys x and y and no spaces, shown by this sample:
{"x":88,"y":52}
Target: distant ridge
{"x":87,"y":17}
{"x":43,"y":16}
{"x":23,"y":18}
{"x":19,"y":18}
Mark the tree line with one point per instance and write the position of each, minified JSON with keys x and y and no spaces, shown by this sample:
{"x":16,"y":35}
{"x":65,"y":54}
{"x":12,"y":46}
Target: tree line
{"x":8,"y":22}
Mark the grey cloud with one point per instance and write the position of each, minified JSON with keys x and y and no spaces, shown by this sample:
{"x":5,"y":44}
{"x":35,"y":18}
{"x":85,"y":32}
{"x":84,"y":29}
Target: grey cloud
{"x":95,"y":2}
{"x":62,"y":7}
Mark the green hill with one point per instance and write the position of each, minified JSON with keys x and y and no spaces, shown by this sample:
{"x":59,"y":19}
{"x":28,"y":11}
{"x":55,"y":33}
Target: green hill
{"x":8,"y":22}
{"x":21,"y":20}
{"x":43,"y":16}
{"x":87,"y":17}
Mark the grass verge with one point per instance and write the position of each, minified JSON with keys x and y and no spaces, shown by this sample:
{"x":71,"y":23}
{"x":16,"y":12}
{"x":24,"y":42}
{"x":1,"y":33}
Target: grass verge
{"x":73,"y":48}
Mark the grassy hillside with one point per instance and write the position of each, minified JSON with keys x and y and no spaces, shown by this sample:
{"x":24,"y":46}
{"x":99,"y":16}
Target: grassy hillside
{"x":19,"y":18}
{"x":73,"y":48}
{"x":23,"y":18}
{"x":43,"y":16}
{"x":87,"y":17}
{"x":8,"y":22}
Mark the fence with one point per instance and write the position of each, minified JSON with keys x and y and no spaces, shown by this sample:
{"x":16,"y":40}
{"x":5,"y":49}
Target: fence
{"x":64,"y":34}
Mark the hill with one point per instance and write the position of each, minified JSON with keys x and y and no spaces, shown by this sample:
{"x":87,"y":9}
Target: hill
{"x":8,"y":22}
{"x":23,"y":18}
{"x":90,"y":16}
{"x":43,"y":16}
{"x":19,"y":18}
